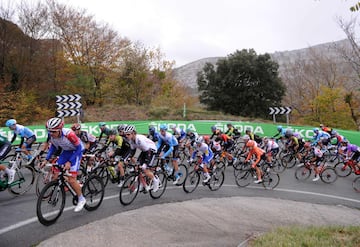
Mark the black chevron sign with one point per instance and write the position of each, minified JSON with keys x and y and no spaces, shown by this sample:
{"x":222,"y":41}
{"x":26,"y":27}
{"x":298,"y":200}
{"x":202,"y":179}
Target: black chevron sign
{"x":69,"y":105}
{"x":66,"y":98}
{"x":67,"y":113}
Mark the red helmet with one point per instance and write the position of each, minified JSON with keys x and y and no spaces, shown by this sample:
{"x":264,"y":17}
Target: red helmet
{"x":76,"y":126}
{"x":206,"y":138}
{"x":307,"y":144}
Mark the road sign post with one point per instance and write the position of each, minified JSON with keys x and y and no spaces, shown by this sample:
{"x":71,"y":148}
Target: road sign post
{"x":280,"y":110}
{"x":68,"y":106}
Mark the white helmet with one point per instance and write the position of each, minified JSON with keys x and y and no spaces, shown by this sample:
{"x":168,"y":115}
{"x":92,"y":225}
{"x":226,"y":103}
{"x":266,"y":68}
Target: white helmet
{"x":246,"y":137}
{"x":199,"y":139}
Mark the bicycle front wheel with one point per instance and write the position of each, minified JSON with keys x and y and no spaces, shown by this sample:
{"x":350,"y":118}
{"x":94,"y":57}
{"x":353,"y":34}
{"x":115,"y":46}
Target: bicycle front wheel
{"x":191,"y":182}
{"x":42,"y":179}
{"x":24,"y":180}
{"x":217,"y":179}
{"x":270,"y":180}
{"x":162,"y":185}
{"x":277,"y":166}
{"x":342,"y":170}
{"x":50,"y":204}
{"x":103,"y":173}
{"x":129,"y":190}
{"x":93,"y":191}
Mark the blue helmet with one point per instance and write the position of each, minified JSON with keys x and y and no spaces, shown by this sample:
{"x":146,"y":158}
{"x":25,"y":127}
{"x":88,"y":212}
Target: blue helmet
{"x":213,"y":128}
{"x":102,"y":124}
{"x":279,"y":128}
{"x":163,"y":127}
{"x":152,"y":129}
{"x":10,"y":122}
{"x":316,"y":130}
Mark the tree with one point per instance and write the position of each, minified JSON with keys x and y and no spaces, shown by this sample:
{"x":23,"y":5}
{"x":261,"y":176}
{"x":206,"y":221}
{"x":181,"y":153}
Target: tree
{"x":244,"y":83}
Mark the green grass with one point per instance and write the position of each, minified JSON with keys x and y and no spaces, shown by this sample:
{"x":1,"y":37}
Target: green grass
{"x":309,"y":236}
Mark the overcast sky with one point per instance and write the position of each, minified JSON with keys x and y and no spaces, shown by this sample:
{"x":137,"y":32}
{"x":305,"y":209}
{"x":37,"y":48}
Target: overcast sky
{"x":188,"y":30}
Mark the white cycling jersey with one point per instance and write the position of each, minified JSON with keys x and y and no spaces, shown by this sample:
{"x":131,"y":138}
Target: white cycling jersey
{"x":143,"y":143}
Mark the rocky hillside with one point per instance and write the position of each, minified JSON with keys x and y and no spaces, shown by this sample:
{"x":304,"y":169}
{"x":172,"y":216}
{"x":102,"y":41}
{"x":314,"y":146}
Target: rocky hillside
{"x":187,"y":73}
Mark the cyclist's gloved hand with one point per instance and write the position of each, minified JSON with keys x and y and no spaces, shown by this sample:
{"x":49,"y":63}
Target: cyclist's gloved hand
{"x":18,"y":149}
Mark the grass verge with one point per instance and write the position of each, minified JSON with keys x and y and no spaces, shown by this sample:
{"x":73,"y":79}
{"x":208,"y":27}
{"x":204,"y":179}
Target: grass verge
{"x":309,"y":236}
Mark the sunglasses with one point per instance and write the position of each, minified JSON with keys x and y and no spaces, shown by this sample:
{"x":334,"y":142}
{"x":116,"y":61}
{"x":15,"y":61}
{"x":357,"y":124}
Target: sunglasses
{"x":128,"y":134}
{"x":53,"y":131}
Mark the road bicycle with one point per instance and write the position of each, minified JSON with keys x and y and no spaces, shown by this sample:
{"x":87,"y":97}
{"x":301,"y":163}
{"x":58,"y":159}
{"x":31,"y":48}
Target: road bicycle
{"x":23,"y":181}
{"x":247,"y":174}
{"x":51,"y":201}
{"x":327,"y":174}
{"x":193,"y":179}
{"x":139,"y":182}
{"x":356,"y":184}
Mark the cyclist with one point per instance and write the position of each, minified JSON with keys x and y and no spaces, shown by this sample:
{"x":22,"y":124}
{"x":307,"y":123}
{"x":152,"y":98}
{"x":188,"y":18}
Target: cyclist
{"x":27,"y":137}
{"x":207,"y":156}
{"x":328,"y":130}
{"x":321,"y":138}
{"x":153,"y":134}
{"x":69,"y":158}
{"x":121,"y":129}
{"x":168,"y":143}
{"x":280,"y":132}
{"x":260,"y":154}
{"x":215,"y":132}
{"x":89,"y":141}
{"x":351,"y":152}
{"x":5,"y":147}
{"x":293,"y":143}
{"x":104,"y":130}
{"x":316,"y":159}
{"x":179,"y":133}
{"x":147,"y":155}
{"x":227,"y":145}
{"x":190,"y":139}
{"x":271,"y":149}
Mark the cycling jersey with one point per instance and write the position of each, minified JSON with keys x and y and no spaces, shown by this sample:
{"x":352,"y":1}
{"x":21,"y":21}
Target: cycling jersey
{"x":169,"y":140}
{"x":24,"y":133}
{"x":320,"y":136}
{"x":207,"y":154}
{"x":180,"y":134}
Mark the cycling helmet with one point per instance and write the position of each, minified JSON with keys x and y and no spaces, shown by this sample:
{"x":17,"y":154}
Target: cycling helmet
{"x":321,"y":125}
{"x":129,"y":129}
{"x":121,"y":127}
{"x":206,"y":138}
{"x":316,"y":130}
{"x":246,"y":137}
{"x":250,"y":144}
{"x":199,"y":139}
{"x":54,"y":123}
{"x":289,"y":133}
{"x":213,"y":128}
{"x":279,"y":128}
{"x":152,"y":129}
{"x":247,"y":130}
{"x":102,"y":124}
{"x":10,"y":122}
{"x":76,"y":126}
{"x":188,"y":130}
{"x":163,"y":127}
{"x":345,"y":141}
{"x":113,"y":132}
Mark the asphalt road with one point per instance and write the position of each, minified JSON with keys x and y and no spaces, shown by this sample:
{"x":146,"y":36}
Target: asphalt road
{"x":19,"y":225}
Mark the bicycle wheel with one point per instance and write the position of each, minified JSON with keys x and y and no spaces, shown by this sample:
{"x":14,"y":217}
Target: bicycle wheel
{"x":10,"y":157}
{"x":220,"y":164}
{"x":129,"y":190}
{"x":270,"y":180}
{"x":162,"y":185}
{"x":183,"y":172}
{"x":302,"y":173}
{"x":42,"y":179}
{"x":103,"y":173}
{"x":24,"y":180}
{"x":50,"y":204}
{"x":356,"y":184}
{"x":328,"y":175}
{"x":342,"y":170}
{"x":277,"y":166}
{"x":289,"y":161}
{"x":217,"y":179}
{"x":244,"y":178}
{"x":93,"y":190}
{"x":191,"y":182}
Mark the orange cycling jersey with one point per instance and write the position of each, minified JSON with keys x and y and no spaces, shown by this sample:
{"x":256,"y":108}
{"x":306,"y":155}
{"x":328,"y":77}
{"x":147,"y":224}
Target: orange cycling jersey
{"x":255,"y":151}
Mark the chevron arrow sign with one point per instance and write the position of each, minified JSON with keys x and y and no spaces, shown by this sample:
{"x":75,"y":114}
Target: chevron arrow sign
{"x":69,"y":105}
{"x":279,"y":110}
{"x":67,"y":113}
{"x":65,"y":98}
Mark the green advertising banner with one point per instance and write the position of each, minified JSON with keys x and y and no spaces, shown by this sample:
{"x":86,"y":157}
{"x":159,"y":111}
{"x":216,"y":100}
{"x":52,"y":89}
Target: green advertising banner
{"x":201,"y":127}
